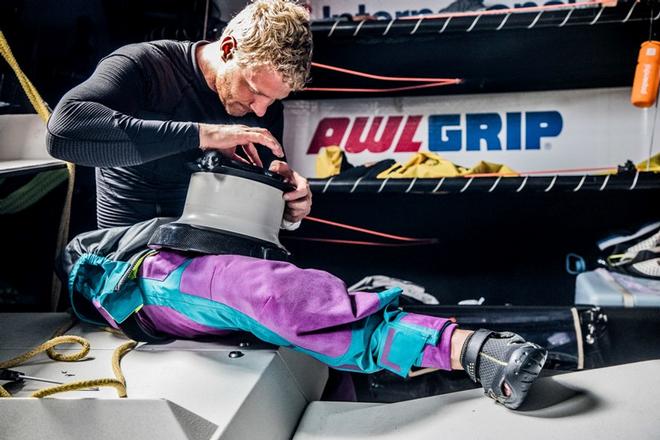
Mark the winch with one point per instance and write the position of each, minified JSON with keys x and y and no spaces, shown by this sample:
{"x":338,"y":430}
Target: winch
{"x":230,"y":208}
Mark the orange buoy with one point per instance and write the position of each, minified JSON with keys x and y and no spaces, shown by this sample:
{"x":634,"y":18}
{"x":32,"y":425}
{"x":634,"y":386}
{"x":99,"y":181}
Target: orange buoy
{"x":647,"y":75}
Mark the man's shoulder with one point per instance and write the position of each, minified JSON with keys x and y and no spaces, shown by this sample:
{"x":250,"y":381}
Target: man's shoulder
{"x":159,"y":50}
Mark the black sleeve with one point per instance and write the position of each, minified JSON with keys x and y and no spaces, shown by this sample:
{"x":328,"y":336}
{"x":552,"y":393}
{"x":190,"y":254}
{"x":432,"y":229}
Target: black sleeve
{"x":92,"y":124}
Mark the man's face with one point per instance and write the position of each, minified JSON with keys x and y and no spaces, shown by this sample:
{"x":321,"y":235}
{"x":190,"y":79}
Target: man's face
{"x":244,"y":90}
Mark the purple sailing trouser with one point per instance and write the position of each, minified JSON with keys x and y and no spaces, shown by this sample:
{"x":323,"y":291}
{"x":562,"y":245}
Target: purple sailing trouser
{"x":305,"y":309}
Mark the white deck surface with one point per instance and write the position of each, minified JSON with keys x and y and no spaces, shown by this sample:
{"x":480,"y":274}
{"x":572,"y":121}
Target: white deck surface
{"x":191,"y":390}
{"x":620,"y":402}
{"x":194,"y":386}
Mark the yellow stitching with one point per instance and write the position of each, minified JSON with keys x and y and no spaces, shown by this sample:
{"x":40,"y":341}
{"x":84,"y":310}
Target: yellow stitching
{"x":497,"y":361}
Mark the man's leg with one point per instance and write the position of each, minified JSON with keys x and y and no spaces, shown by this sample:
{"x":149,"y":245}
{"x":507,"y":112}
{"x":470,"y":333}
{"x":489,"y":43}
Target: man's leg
{"x":457,"y":341}
{"x":311,"y":311}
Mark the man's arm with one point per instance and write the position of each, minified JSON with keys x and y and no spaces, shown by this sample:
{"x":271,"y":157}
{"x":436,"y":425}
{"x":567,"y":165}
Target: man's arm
{"x":92,"y":124}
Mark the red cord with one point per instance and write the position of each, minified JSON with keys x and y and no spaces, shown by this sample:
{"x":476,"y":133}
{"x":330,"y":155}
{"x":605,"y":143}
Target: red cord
{"x":356,"y":90}
{"x":429,"y":82}
{"x":363,"y":243}
{"x":384,"y":78}
{"x":369,"y":231}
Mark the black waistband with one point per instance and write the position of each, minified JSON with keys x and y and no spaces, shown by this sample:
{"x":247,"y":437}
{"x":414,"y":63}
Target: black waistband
{"x":189,"y":238}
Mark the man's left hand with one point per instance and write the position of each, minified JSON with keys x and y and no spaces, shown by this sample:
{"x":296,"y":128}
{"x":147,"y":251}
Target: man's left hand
{"x":298,"y":201}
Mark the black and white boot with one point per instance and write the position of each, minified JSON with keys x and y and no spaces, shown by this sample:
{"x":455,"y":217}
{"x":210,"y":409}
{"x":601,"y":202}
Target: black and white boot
{"x":636,"y":255}
{"x":494,"y":358}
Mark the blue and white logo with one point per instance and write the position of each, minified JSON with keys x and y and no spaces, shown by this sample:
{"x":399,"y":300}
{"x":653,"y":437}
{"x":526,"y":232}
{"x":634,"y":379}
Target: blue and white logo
{"x":492,"y":131}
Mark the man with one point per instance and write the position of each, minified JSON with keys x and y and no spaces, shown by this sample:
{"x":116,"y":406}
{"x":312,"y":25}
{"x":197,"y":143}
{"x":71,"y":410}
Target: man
{"x":131,"y":121}
{"x":149,"y":108}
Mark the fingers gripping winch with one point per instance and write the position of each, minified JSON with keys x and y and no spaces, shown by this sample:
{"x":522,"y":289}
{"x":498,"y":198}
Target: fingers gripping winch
{"x":230,"y":208}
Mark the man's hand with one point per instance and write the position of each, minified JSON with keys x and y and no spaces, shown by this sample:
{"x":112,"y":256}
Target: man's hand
{"x":298,"y":201}
{"x":225,"y":138}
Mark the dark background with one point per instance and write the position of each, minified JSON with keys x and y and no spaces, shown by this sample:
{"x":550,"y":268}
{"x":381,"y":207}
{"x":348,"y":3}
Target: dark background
{"x":508,"y":248}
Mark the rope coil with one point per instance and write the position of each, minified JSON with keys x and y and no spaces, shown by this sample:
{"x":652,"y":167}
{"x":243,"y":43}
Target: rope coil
{"x":118,"y":382}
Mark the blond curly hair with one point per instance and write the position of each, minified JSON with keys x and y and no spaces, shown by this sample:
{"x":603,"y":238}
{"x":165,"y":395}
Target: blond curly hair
{"x":275,"y":33}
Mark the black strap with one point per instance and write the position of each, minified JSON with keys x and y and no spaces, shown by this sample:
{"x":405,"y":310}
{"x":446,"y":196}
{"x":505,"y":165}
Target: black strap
{"x":472,"y":348}
{"x":189,"y":238}
{"x":642,"y":256}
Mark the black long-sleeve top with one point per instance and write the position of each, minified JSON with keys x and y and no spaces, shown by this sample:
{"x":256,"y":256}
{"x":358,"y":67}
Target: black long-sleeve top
{"x":135,"y":119}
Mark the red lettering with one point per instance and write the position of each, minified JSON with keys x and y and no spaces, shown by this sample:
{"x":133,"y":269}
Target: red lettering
{"x":330,"y":131}
{"x":355,"y":145}
{"x":406,"y":143}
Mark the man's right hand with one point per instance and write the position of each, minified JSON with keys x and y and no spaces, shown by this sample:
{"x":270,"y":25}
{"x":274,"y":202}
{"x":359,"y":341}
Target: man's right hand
{"x":226,"y":138}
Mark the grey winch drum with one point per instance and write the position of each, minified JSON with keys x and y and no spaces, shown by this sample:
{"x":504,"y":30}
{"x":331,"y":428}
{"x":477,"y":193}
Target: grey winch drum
{"x":230,"y":208}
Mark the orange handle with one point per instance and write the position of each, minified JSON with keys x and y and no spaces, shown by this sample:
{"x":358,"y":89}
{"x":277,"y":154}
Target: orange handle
{"x":647,"y":75}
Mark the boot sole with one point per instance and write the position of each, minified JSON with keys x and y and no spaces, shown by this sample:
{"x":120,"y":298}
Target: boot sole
{"x":524,"y":366}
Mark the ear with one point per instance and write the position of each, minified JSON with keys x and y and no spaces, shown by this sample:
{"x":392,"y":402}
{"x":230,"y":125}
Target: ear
{"x":227,"y":46}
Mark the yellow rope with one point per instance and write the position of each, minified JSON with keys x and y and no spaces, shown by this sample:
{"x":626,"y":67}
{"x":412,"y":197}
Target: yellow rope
{"x":62,"y":237}
{"x":49,"y":348}
{"x":63,"y":234}
{"x":118,"y":382}
{"x":42,"y":110}
{"x":31,"y":92}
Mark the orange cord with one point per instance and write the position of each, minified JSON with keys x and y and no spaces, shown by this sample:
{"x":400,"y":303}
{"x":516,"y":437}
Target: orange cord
{"x":429,"y":82}
{"x":364,"y":243}
{"x":407,"y":241}
{"x":383,"y":78}
{"x":358,"y":90}
{"x":366,"y":231}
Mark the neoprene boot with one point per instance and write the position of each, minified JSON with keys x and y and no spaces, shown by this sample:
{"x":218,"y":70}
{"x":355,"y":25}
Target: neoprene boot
{"x":493,"y":358}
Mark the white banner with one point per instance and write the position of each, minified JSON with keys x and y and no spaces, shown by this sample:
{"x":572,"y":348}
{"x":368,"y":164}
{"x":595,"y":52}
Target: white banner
{"x":389,"y":9}
{"x":527,"y":131}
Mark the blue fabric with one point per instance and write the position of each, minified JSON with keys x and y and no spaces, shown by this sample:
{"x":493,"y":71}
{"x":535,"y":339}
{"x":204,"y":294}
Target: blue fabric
{"x":97,"y":279}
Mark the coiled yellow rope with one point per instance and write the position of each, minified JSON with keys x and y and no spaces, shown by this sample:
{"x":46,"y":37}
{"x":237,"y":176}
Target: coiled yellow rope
{"x":118,"y":382}
{"x":49,"y":347}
